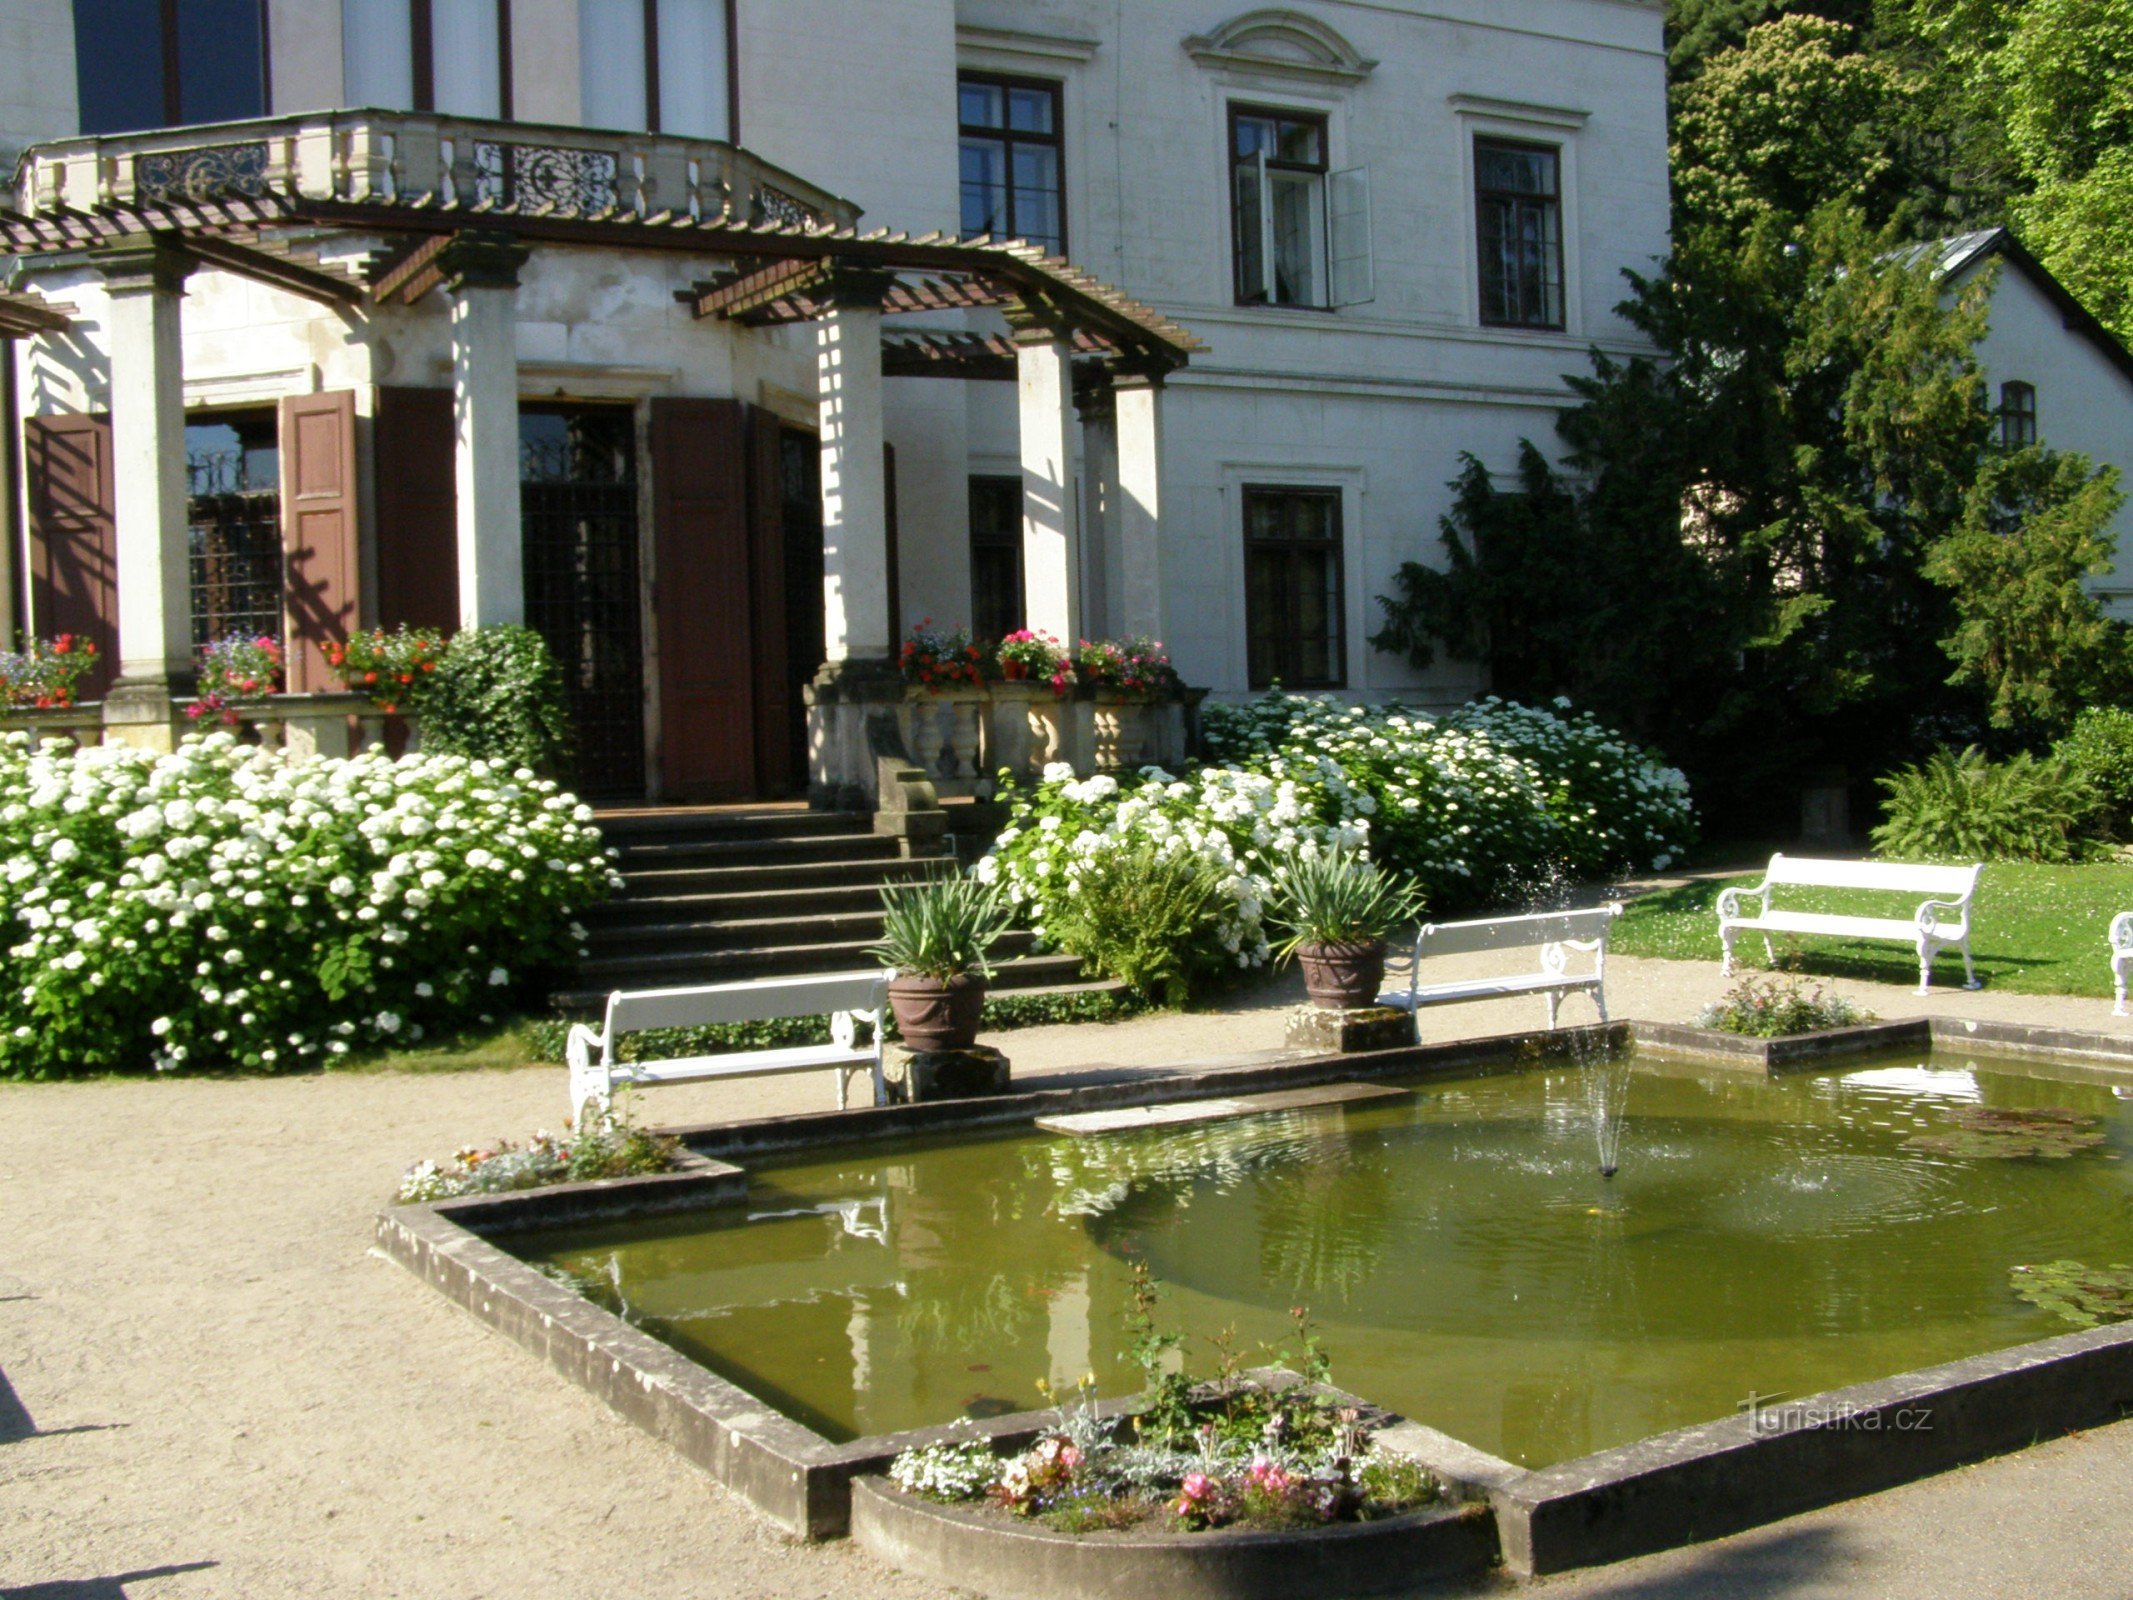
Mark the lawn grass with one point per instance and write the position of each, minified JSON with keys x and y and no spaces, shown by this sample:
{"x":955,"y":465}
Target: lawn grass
{"x":2034,"y":930}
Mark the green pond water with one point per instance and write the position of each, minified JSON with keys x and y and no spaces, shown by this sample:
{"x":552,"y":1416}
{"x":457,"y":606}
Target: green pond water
{"x":1464,"y":1259}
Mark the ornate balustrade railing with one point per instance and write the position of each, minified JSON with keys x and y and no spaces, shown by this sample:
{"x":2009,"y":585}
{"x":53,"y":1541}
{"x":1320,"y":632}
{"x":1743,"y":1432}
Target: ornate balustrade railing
{"x":364,"y":155}
{"x":299,"y":725}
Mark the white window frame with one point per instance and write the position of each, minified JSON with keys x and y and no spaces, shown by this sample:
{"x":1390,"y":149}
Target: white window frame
{"x":1518,"y":122}
{"x":1249,"y":100}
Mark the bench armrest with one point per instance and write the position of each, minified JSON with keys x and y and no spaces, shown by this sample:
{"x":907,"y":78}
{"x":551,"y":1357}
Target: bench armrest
{"x":580,"y":1043}
{"x":1729,"y":899}
{"x":1927,"y":920}
{"x":2122,"y":931}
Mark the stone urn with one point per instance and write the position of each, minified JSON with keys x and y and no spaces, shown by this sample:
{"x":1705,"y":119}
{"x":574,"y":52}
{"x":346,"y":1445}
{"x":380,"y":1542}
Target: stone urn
{"x":1341,"y":977}
{"x":936,"y":1014}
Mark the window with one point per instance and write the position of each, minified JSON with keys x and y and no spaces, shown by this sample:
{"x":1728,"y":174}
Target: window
{"x":233,"y":525}
{"x":2018,"y":415}
{"x":1293,"y":588}
{"x":659,"y":65}
{"x":163,"y":63}
{"x":1278,"y":219}
{"x":428,"y":55}
{"x":1518,"y":206}
{"x":1012,"y":160}
{"x":1299,"y":234}
{"x":997,"y":605}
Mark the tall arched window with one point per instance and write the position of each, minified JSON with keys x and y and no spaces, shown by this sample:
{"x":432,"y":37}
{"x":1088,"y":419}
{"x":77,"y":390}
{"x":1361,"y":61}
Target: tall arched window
{"x":2018,"y":415}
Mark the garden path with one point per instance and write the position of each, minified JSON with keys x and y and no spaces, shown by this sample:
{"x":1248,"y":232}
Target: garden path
{"x":209,"y":1388}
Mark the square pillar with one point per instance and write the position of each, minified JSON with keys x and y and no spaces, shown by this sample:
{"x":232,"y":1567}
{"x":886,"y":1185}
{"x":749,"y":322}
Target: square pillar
{"x":145,"y":282}
{"x":1051,"y":541}
{"x":481,"y":270}
{"x":855,"y":490}
{"x":1137,"y":524}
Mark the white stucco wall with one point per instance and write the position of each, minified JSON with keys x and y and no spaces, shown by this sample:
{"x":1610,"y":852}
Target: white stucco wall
{"x":2084,"y":400}
{"x":37,"y":84}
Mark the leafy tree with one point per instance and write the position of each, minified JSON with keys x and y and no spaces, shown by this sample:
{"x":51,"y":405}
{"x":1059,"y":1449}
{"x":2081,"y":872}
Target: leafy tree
{"x":2028,"y":632}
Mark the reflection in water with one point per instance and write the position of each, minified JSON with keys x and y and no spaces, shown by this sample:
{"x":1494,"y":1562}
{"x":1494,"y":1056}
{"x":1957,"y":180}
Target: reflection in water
{"x":1466,"y":1262}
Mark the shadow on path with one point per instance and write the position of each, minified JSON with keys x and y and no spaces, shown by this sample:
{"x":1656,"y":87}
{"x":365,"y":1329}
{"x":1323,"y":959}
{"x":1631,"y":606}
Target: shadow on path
{"x":16,"y":1424}
{"x":111,"y":1588}
{"x":1776,"y":1565}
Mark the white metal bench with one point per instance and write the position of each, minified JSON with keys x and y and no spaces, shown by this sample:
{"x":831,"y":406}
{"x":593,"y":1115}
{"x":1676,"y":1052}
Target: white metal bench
{"x":2121,"y":957}
{"x":846,"y":998}
{"x":1555,"y":933}
{"x":1940,"y":922}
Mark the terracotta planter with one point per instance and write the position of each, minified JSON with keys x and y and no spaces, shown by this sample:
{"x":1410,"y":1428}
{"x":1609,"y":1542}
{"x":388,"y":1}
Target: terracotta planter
{"x":1014,"y":671}
{"x":933,"y":1014}
{"x":1341,"y":977}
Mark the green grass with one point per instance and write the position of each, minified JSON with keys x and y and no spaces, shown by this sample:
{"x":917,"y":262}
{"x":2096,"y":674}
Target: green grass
{"x":2034,"y":930}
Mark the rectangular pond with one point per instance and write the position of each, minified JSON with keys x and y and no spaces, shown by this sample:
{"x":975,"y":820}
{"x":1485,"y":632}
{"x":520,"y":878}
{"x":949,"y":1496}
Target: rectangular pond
{"x":1464,"y":1259}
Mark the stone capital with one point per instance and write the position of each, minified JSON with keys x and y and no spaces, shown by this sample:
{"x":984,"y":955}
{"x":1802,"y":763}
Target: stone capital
{"x":143,"y":263}
{"x":482,"y":260}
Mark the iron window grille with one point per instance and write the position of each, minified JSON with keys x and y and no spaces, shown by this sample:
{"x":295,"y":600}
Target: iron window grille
{"x":1518,"y":205}
{"x":2018,"y":415}
{"x":233,"y":528}
{"x":998,"y":604}
{"x":1013,"y":156}
{"x":1294,"y":586}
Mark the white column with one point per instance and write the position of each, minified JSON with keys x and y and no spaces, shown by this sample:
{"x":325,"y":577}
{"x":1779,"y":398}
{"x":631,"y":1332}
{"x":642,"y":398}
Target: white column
{"x":855,"y":500}
{"x":148,"y":472}
{"x":1051,"y":553}
{"x":1138,"y":522}
{"x":482,"y":273}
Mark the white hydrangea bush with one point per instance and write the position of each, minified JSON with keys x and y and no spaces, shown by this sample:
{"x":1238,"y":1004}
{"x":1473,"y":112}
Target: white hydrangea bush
{"x":223,"y":906}
{"x":1495,"y":804}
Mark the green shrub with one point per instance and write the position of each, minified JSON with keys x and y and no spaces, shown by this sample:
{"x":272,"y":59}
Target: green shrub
{"x":940,"y":928}
{"x":498,"y":695}
{"x":2099,"y":751}
{"x":1971,"y":808}
{"x":1148,"y":917}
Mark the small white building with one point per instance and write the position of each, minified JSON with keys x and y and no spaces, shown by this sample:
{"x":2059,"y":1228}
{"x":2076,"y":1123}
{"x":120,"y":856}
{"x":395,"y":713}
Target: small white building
{"x":2055,"y":375}
{"x":725,"y":340}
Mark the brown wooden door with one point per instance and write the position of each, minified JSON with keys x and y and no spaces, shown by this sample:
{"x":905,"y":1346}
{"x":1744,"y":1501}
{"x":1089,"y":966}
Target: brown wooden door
{"x":707,"y":648}
{"x":777,"y":771}
{"x":321,"y":553}
{"x":417,"y":501}
{"x":74,"y":538}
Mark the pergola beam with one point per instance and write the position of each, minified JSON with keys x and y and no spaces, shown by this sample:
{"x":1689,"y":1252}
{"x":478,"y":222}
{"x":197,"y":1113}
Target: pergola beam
{"x":276,"y":272}
{"x":22,"y":315}
{"x":415,"y":273}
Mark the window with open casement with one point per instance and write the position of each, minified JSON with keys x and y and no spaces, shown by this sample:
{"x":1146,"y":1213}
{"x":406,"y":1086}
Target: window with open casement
{"x":1294,"y":584}
{"x":1299,"y":231}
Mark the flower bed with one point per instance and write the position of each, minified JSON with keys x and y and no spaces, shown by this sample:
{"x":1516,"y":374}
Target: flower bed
{"x":621,"y":1151}
{"x":42,"y":675}
{"x":222,"y":906}
{"x":1491,"y":805}
{"x":1772,"y":1008}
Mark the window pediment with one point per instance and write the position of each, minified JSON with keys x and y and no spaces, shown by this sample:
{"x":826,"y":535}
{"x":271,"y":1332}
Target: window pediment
{"x":1281,"y":43}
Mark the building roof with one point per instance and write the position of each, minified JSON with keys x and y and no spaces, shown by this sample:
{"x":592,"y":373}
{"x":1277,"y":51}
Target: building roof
{"x":1960,"y":254}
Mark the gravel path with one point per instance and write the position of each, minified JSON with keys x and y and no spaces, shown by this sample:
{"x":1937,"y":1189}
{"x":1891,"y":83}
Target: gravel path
{"x":210,"y":1387}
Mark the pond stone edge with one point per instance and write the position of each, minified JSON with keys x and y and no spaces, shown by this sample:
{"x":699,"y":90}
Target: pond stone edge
{"x":1691,"y":1484}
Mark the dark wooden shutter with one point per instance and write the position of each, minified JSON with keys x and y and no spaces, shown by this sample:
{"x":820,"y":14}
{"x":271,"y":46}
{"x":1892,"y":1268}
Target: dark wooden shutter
{"x":700,"y":530}
{"x":74,"y":537}
{"x":417,"y":510}
{"x":320,"y":542}
{"x":775,"y":707}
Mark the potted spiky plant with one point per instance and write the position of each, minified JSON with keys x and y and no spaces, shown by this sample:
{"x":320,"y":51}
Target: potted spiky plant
{"x":1338,"y":908}
{"x":934,"y":936}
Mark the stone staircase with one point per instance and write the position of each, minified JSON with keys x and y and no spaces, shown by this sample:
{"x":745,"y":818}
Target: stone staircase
{"x":722,"y":894}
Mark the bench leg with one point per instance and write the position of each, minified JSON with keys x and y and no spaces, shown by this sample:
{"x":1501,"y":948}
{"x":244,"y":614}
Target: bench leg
{"x":1970,"y":977}
{"x":589,"y":1096}
{"x":1599,"y":1001}
{"x":2118,"y":983}
{"x":1925,"y":966}
{"x":1725,"y":940}
{"x":1555,"y":1007}
{"x":1770,"y":955}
